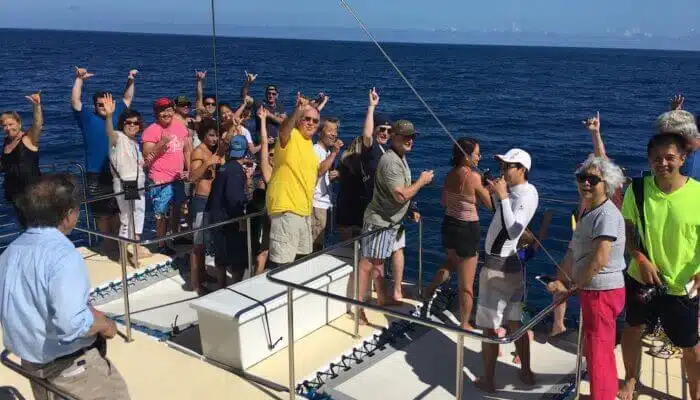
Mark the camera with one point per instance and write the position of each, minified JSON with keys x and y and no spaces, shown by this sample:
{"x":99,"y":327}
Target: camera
{"x":486,"y":176}
{"x":648,"y":293}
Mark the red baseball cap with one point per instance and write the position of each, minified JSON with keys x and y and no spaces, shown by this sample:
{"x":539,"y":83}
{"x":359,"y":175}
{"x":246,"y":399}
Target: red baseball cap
{"x":161,"y":104}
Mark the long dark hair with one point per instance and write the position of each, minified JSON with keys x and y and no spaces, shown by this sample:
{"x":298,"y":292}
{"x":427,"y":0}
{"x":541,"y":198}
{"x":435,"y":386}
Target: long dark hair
{"x":126,"y":114}
{"x":467,"y":144}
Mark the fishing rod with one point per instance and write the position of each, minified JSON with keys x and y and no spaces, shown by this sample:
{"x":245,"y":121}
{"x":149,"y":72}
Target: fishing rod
{"x":483,"y":172}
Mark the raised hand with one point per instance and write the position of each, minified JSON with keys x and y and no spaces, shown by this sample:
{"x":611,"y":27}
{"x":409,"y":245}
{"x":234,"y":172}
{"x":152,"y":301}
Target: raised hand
{"x":499,"y":187}
{"x":302,"y":102}
{"x":83,"y":73}
{"x":132,"y":73}
{"x":373,"y":98}
{"x":677,"y":102}
{"x":200,"y":75}
{"x":164,"y":140}
{"x":110,"y":106}
{"x":262,"y":113}
{"x":593,"y":123}
{"x":35,"y":98}
{"x":249,"y":101}
{"x":250,"y":78}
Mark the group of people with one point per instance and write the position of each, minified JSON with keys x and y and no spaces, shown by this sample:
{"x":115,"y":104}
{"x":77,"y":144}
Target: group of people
{"x":225,"y":161}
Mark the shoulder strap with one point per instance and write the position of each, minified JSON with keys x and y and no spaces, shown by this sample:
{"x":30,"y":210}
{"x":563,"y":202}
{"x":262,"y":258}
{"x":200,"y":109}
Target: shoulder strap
{"x":638,"y":190}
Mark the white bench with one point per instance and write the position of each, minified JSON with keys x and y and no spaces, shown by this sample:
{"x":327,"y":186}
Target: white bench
{"x":247,"y":322}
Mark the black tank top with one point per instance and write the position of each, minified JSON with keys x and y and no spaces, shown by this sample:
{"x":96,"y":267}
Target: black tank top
{"x":21,"y":167}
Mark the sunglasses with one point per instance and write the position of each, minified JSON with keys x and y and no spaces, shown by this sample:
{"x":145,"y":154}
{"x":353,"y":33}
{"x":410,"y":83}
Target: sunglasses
{"x":383,"y":129}
{"x":100,"y":105}
{"x":131,"y":123}
{"x":409,"y":137}
{"x":591,"y":179}
{"x":506,"y":166}
{"x":272,"y":93}
{"x":312,"y":119}
{"x":210,"y":103}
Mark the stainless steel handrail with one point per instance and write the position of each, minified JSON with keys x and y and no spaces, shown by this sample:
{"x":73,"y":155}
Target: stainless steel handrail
{"x":124,"y":242}
{"x":461,"y":333}
{"x":44,"y":383}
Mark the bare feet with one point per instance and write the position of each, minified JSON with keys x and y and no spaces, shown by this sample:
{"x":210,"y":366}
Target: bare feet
{"x":363,"y":318}
{"x":468,"y":327}
{"x":389,"y":303}
{"x":557,"y":330}
{"x":485,"y":385}
{"x":627,"y":389}
{"x":527,"y":377}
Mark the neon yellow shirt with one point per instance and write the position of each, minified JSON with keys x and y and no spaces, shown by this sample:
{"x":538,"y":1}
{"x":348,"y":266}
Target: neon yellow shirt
{"x":672,"y":232}
{"x":294,"y":176}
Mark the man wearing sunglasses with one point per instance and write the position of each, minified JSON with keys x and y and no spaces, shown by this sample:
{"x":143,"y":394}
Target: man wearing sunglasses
{"x":99,"y":177}
{"x":289,"y":197}
{"x":501,"y":281}
{"x":275,"y":112}
{"x":393,"y":192}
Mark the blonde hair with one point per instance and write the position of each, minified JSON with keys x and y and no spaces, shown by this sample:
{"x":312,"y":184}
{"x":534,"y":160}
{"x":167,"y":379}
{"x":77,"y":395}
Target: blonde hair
{"x":13,"y":115}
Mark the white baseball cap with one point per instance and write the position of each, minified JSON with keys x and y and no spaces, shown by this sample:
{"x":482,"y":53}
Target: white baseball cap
{"x":516,"y":156}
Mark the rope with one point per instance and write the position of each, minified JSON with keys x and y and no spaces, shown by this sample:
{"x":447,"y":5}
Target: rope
{"x":216,"y":68}
{"x":345,"y":4}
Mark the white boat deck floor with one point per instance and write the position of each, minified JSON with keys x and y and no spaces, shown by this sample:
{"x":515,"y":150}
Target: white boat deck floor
{"x":424,"y":369}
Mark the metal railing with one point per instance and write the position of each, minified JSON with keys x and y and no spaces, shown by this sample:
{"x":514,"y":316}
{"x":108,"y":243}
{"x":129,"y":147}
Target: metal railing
{"x":44,"y":383}
{"x":461,"y":333}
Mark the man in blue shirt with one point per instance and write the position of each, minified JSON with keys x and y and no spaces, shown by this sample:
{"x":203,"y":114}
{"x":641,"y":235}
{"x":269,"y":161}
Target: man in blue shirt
{"x":99,"y":176}
{"x":44,"y":288}
{"x":227,"y":200}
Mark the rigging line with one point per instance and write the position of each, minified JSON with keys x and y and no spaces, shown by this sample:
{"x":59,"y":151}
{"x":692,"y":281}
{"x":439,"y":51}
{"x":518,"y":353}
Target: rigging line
{"x":345,"y":4}
{"x":216,"y":69}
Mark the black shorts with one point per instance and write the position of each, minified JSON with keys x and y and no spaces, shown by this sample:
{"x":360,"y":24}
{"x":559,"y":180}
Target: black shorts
{"x":98,"y":185}
{"x":260,"y":239}
{"x":350,"y":211}
{"x":460,"y":236}
{"x":230,"y":249}
{"x":678,"y":314}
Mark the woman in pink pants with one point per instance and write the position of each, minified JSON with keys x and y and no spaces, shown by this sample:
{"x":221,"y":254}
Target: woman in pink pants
{"x":595,"y":261}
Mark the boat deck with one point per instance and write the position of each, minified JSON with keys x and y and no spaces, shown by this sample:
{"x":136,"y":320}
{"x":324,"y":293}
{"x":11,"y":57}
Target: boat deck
{"x":421,"y":369}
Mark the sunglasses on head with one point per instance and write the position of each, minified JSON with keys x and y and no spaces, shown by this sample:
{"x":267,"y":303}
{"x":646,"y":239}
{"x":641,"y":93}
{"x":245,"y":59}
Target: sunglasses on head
{"x":312,"y":119}
{"x":591,"y":179}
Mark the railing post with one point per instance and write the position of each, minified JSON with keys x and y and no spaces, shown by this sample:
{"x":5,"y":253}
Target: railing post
{"x":125,"y":290}
{"x":459,"y":369}
{"x":579,"y":356}
{"x":420,"y":257}
{"x":356,"y":283}
{"x":250,"y":249}
{"x":290,"y":345}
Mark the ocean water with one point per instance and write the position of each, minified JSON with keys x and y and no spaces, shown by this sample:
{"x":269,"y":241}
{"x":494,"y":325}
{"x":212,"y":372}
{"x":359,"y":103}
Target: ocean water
{"x":528,"y":97}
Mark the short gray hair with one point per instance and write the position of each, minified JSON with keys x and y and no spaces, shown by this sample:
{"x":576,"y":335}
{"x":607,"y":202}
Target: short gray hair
{"x":678,"y":121}
{"x":612,"y":175}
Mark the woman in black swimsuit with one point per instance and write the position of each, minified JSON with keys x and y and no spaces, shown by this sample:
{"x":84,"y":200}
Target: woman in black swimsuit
{"x":20,"y":157}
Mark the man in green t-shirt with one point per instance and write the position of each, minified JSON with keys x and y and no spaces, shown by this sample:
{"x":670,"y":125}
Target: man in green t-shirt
{"x":665,"y":252}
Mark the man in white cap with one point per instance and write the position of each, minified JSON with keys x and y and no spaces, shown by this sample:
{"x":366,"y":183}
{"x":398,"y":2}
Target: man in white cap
{"x":501,"y":281}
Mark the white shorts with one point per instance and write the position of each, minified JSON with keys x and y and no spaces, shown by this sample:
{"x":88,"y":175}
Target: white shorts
{"x":501,"y":292}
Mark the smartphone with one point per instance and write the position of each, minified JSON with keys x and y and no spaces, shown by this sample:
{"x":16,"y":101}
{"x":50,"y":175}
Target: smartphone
{"x":545,"y":279}
{"x":689,"y":289}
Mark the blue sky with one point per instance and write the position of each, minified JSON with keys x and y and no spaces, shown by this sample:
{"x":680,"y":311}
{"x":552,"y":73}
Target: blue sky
{"x":613,"y":17}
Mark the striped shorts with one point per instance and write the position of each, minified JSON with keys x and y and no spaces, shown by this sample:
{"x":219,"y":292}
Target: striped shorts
{"x":381,"y":245}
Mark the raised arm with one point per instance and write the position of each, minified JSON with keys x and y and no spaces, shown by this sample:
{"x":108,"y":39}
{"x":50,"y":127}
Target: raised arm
{"x":368,"y":129}
{"x":265,"y":167}
{"x":327,"y":164}
{"x":249,"y":79}
{"x":37,"y":127}
{"x":81,"y":75}
{"x":110,"y":106}
{"x":593,"y":126}
{"x":199,"y":89}
{"x":324,"y":101}
{"x":285,"y":131}
{"x":130,"y":86}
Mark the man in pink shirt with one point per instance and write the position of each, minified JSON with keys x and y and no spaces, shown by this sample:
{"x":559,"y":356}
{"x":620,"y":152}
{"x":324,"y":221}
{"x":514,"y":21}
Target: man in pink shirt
{"x":166,"y":149}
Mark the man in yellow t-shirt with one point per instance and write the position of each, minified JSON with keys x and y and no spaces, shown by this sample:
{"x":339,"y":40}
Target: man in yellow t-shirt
{"x":289,"y":195}
{"x":665,"y":250}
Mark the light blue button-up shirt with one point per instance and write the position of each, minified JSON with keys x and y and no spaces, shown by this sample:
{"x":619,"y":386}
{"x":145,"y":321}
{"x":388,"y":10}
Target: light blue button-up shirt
{"x":44,"y":291}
